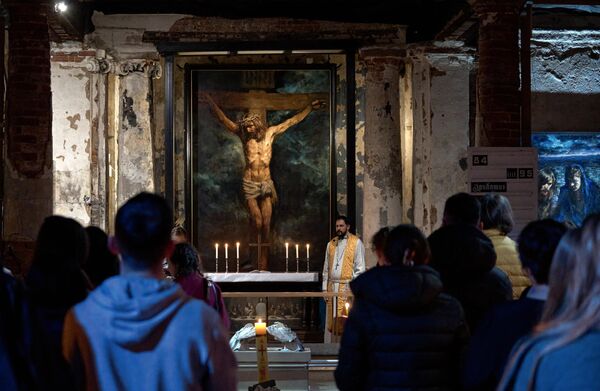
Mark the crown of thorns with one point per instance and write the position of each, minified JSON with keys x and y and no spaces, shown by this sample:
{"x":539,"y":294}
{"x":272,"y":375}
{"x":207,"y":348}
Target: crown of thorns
{"x":249,"y":119}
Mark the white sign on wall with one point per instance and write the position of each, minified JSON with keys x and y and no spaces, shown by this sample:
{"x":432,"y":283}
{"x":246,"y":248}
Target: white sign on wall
{"x":511,"y":172}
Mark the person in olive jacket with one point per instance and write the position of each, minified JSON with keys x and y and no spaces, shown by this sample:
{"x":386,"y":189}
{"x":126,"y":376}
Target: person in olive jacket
{"x":402,"y":332}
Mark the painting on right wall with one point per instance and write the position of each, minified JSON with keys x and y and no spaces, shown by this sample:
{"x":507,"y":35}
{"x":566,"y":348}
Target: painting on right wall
{"x":568,"y":176}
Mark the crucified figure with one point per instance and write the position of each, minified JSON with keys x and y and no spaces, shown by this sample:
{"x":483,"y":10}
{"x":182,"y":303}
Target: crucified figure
{"x":257,"y":138}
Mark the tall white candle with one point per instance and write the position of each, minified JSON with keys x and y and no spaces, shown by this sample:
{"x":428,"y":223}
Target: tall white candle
{"x":307,"y":251}
{"x":287,"y":254}
{"x":216,"y":250}
{"x":237,"y":250}
{"x":297,"y":251}
{"x":226,"y":248}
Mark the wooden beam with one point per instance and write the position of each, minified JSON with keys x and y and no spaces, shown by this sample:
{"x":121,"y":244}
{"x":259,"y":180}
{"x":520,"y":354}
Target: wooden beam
{"x":262,"y":100}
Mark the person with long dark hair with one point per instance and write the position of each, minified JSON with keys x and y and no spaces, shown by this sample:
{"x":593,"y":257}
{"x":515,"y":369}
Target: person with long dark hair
{"x":563,"y":352}
{"x":56,"y":282}
{"x":101,"y":262}
{"x":403,"y":332}
{"x":186,"y":266}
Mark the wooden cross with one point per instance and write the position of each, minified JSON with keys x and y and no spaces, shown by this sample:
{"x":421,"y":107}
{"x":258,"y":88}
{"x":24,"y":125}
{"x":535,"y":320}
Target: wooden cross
{"x":259,"y":245}
{"x":257,"y":100}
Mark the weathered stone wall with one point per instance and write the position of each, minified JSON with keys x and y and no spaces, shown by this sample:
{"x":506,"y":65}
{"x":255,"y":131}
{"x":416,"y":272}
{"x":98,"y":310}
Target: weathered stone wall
{"x":565,"y":80}
{"x":435,"y":134}
{"x":72,"y":89}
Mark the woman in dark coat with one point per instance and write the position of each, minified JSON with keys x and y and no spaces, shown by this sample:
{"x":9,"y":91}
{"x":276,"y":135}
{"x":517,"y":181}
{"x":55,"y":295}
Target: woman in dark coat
{"x":403,"y":333}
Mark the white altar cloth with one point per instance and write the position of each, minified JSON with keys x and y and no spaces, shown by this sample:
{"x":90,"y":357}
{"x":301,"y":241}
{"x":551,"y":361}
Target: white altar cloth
{"x":263,"y":277}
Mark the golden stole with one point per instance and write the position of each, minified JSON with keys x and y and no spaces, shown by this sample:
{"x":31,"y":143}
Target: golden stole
{"x":346,"y":276}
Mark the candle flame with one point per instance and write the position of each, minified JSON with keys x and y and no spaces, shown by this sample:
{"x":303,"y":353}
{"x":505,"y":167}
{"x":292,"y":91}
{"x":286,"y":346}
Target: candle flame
{"x":237,"y":243}
{"x":259,"y":320}
{"x":347,"y":306}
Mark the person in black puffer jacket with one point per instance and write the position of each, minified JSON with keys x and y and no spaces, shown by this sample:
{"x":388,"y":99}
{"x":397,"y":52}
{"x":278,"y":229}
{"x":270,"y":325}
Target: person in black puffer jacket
{"x":465,"y":258}
{"x":403,"y":333}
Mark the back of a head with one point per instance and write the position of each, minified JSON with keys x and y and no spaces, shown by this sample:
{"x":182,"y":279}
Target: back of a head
{"x":496,"y":213}
{"x":61,"y":242}
{"x":186,"y":260}
{"x":575,"y":277}
{"x":143,"y":229}
{"x":379,"y":239}
{"x":404,"y":240}
{"x":537,"y":244}
{"x":101,"y":262}
{"x":462,"y":208}
{"x":61,"y":249}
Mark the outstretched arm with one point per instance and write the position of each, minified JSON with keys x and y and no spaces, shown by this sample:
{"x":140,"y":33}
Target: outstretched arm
{"x":285,"y":125}
{"x":216,"y":110}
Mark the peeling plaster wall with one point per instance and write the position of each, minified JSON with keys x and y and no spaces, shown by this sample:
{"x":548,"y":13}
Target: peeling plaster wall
{"x":565,"y":80}
{"x":435,"y":134}
{"x":71,"y":133}
{"x":136,"y":172}
{"x":450,"y":133}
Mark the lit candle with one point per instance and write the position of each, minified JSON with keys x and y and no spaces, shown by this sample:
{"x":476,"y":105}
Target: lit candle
{"x":260,"y":327}
{"x":287,"y":254}
{"x":226,"y":248}
{"x":307,"y":251}
{"x":347,"y":305}
{"x":216,"y":250}
{"x":237,"y":250}
{"x":297,"y":251}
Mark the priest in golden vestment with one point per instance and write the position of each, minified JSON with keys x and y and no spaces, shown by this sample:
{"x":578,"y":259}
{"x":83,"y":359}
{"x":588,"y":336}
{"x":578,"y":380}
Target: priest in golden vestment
{"x":344,"y":260}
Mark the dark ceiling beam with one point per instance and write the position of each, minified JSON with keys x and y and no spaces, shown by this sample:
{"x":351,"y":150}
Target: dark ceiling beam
{"x":565,"y":2}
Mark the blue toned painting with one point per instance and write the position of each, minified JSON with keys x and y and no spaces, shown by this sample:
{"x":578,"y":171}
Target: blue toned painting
{"x":569,"y":175}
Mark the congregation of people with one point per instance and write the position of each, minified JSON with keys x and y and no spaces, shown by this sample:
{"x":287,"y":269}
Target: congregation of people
{"x":467,"y":308}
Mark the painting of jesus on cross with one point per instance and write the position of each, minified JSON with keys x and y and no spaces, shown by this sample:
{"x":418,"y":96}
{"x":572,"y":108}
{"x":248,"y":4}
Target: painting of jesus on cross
{"x":261,"y":160}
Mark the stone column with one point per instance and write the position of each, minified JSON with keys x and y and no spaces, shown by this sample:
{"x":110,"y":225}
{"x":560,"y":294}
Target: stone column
{"x":135,"y":154}
{"x":382,"y":203}
{"x":498,"y":96}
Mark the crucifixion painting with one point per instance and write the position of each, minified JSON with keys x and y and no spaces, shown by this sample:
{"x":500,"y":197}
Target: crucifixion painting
{"x":257,"y":138}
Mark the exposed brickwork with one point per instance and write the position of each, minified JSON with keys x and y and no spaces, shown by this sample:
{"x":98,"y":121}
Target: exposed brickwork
{"x":499,"y":99}
{"x":72,"y":56}
{"x":28,"y":89}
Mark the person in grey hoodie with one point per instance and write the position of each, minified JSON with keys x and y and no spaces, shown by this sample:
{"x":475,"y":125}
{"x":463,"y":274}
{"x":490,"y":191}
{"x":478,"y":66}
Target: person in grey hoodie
{"x":138,"y":331}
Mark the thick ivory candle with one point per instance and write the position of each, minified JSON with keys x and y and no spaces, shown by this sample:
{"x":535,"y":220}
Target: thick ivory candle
{"x":308,"y":251}
{"x":237,"y":250}
{"x":297,"y":251}
{"x":226,"y":248}
{"x":260,"y":327}
{"x":287,"y":248}
{"x":217,"y":250}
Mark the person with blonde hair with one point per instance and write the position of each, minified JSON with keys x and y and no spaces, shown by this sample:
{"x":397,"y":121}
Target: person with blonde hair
{"x":497,"y":222}
{"x":563,"y":353}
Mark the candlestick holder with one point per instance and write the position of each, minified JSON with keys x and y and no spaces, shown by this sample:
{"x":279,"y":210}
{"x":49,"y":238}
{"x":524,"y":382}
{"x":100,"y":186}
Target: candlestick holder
{"x":237,"y":265}
{"x":287,"y":264}
{"x":216,"y":265}
{"x":226,"y":265}
{"x":308,"y":265}
{"x":297,"y":265}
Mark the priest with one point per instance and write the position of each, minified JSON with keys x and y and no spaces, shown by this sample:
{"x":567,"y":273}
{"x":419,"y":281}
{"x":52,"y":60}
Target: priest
{"x":344,"y":260}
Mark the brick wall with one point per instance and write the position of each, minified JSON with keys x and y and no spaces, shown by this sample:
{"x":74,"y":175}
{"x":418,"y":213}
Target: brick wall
{"x":28,"y":88}
{"x":499,"y":99}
